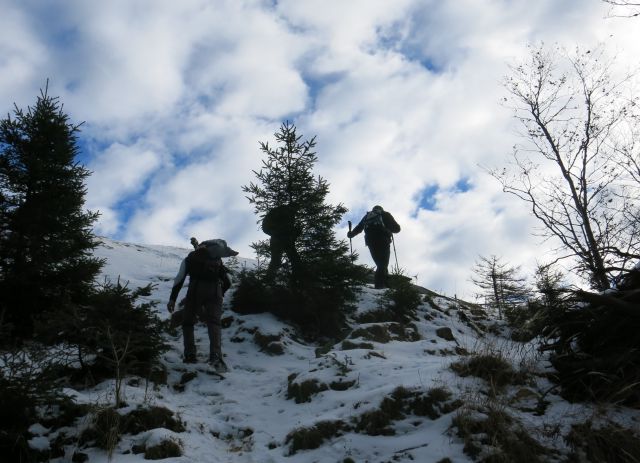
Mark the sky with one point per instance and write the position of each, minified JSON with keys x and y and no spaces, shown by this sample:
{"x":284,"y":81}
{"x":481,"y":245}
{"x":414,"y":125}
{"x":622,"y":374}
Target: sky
{"x":403,"y":97}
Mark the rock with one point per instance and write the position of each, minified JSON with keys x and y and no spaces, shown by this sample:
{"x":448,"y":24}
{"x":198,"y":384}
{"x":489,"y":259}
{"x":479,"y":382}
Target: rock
{"x":445,"y":333}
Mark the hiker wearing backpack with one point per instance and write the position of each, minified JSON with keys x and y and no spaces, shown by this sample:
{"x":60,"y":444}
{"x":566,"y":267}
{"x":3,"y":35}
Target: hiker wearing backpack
{"x":378,"y":226}
{"x":208,"y":280}
{"x":280,"y":224}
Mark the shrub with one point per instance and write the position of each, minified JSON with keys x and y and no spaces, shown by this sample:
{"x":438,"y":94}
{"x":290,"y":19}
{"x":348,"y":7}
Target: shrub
{"x":348,"y":345}
{"x":159,"y":375}
{"x":168,"y":448}
{"x":122,"y":337}
{"x":17,"y":414}
{"x":251,"y":295}
{"x":404,"y":332}
{"x":526,"y":321}
{"x":401,"y":402}
{"x":65,"y":413}
{"x":493,"y":368}
{"x":269,"y":343}
{"x":302,"y":392}
{"x":494,"y":436}
{"x":609,"y":443}
{"x":27,"y":387}
{"x":433,"y":404}
{"x":594,"y":341}
{"x":376,"y":422}
{"x":387,"y":332}
{"x":341,"y":385}
{"x":429,"y":299}
{"x":317,"y":307}
{"x":402,"y":298}
{"x":376,"y":333}
{"x":380,"y":315}
{"x":105,"y":430}
{"x":144,"y":419}
{"x":109,"y":425}
{"x":313,"y":437}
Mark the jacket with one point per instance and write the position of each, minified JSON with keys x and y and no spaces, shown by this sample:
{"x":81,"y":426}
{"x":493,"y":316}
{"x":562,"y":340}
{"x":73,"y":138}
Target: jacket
{"x":201,"y":267}
{"x":375,"y":235}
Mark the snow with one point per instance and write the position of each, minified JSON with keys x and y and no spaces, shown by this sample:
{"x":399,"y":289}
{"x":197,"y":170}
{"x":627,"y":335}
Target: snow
{"x":246,"y":417}
{"x":39,"y":443}
{"x":38,"y":430}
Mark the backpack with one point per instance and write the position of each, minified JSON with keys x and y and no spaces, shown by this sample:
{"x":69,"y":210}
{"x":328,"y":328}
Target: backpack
{"x":373,"y":222}
{"x":281,"y":222}
{"x":202,"y":266}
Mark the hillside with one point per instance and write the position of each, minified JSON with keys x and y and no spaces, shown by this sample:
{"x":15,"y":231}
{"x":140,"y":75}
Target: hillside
{"x":386,"y":393}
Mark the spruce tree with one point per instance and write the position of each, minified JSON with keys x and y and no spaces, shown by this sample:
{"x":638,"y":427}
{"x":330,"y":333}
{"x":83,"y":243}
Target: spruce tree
{"x":46,"y":239}
{"x":500,"y":284}
{"x":315,"y":294}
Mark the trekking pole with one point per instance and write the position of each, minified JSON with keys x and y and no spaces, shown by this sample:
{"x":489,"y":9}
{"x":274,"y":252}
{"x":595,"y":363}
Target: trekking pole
{"x":350,"y":243}
{"x":395,"y":253}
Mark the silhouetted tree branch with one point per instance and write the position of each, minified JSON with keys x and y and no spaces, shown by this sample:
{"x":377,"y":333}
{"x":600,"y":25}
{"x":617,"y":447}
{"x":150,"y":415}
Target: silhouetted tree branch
{"x":629,"y":9}
{"x":576,"y":166}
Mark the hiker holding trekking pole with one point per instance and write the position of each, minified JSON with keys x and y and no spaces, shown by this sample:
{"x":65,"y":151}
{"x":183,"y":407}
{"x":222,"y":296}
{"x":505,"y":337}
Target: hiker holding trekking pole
{"x":350,"y":243}
{"x":379,"y":226}
{"x":208,"y":281}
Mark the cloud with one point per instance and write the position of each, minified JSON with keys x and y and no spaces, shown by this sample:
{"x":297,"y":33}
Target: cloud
{"x":119,"y":173}
{"x":403,"y":97}
{"x":21,"y":55}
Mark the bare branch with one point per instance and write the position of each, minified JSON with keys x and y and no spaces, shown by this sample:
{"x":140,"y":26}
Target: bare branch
{"x":577,"y":122}
{"x":630,"y":9}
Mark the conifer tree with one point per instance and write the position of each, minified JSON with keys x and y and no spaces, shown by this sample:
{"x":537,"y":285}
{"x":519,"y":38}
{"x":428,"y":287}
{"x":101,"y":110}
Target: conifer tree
{"x":319,"y":290}
{"x":46,"y":239}
{"x":500,"y":284}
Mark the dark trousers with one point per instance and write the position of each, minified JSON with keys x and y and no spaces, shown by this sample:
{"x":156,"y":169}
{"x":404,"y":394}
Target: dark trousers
{"x":278,"y":247}
{"x":204,"y":301}
{"x":380,"y":253}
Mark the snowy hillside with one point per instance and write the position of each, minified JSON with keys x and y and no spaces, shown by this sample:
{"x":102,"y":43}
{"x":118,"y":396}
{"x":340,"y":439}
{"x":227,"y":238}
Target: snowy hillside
{"x":387,"y":393}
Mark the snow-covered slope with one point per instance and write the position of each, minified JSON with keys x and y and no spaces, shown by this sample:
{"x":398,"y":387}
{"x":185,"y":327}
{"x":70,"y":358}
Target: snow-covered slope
{"x":247,"y":417}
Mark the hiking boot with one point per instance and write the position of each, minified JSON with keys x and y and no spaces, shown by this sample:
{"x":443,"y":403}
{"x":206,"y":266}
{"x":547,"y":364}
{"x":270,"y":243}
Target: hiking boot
{"x":218,"y":364}
{"x":190,"y":359}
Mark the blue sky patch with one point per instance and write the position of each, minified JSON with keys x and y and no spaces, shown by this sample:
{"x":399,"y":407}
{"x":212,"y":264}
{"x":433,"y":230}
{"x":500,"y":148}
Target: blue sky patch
{"x":427,"y":198}
{"x":463,"y":185}
{"x":394,"y":39}
{"x":89,"y":147}
{"x":317,"y":82}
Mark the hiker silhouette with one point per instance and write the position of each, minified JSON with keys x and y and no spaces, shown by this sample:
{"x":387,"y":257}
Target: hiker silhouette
{"x":280,"y":224}
{"x":378,"y":226}
{"x":208,"y":281}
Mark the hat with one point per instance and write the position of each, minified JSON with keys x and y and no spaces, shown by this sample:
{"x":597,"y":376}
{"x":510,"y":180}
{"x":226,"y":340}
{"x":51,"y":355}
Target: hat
{"x":218,"y":248}
{"x":377,"y":208}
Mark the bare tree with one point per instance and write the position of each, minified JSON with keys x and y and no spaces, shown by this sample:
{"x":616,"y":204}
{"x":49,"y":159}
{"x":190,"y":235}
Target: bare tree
{"x":577,"y":122}
{"x":499,"y":283}
{"x":624,"y":8}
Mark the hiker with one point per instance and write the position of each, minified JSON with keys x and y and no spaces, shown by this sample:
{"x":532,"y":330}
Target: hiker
{"x":208,"y":280}
{"x":280,"y":224}
{"x":378,"y":226}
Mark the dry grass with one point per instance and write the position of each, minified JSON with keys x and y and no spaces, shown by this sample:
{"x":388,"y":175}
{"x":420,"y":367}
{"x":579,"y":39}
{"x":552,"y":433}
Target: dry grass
{"x":609,"y":443}
{"x":492,"y":435}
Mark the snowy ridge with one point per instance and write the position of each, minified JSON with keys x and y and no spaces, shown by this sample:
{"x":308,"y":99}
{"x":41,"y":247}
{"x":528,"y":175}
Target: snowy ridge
{"x":248,"y":416}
